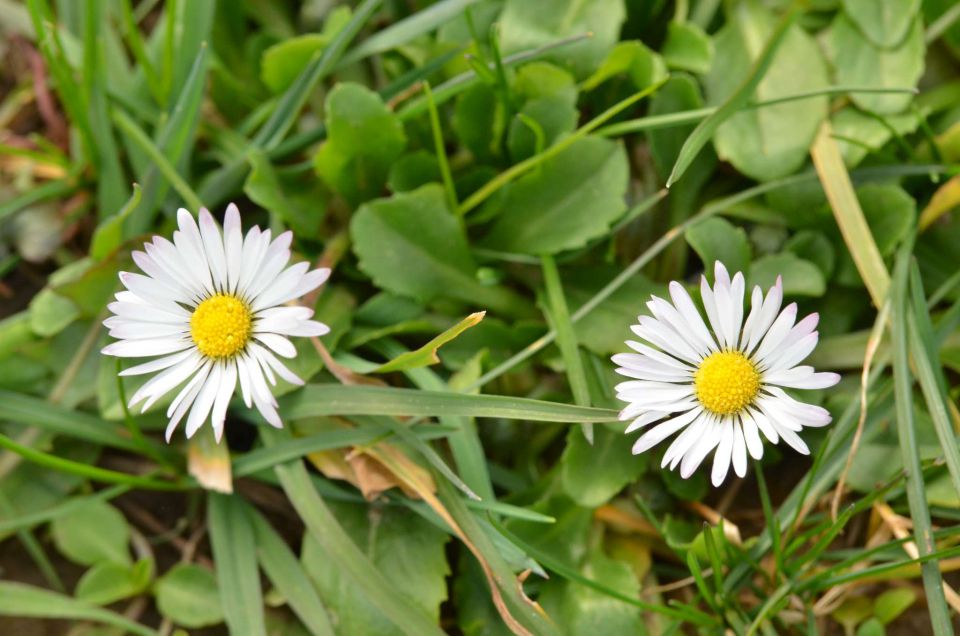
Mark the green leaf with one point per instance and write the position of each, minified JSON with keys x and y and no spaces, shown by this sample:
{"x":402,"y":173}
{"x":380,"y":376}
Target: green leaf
{"x":551,"y":98}
{"x":283,"y":62}
{"x":770,"y":142}
{"x":526,"y":24}
{"x":608,"y":462}
{"x":814,"y":247}
{"x":413,"y":170}
{"x":334,"y":399}
{"x":289,"y":578}
{"x":19,"y":599}
{"x":108,"y":582}
{"x":427,"y":354}
{"x":478,"y":120}
{"x":93,"y":533}
{"x":408,"y":550}
{"x":363,"y":138}
{"x":188,"y":595}
{"x":109,"y":234}
{"x":632,"y":59}
{"x":716,"y":239}
{"x":605,"y":328}
{"x":871,"y":627}
{"x":892,"y":603}
{"x":584,"y":611}
{"x":800,"y":277}
{"x":412,"y":245}
{"x":687,"y":48}
{"x":235,"y":556}
{"x":569,"y":200}
{"x":890,"y":212}
{"x":884,"y":22}
{"x":51,"y":313}
{"x":859,"y":134}
{"x":859,"y":62}
{"x":296,"y":202}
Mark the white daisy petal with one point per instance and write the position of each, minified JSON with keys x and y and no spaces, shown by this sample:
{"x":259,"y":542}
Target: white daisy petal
{"x":668,"y":315}
{"x":190,"y":245}
{"x":662,"y":431}
{"x":204,"y":402}
{"x":268,"y":360}
{"x":213,"y":248}
{"x":159,"y":364}
{"x":284,"y":291}
{"x":640,"y":421}
{"x":228,"y":384}
{"x":777,"y":332}
{"x":691,"y":316}
{"x":721,"y":459}
{"x":274,"y":262}
{"x":233,"y":246}
{"x":146,"y":348}
{"x":710,"y":306}
{"x":185,"y":398}
{"x":659,"y":356}
{"x":801,"y":378}
{"x":278,"y":344}
{"x":653,"y":331}
{"x":764,"y":425}
{"x":751,"y":435}
{"x":683,"y":442}
{"x":768,"y":313}
{"x":739,"y":453}
{"x":707,"y":442}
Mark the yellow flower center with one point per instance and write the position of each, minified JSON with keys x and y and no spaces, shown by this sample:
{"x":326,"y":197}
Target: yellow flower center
{"x":726,"y":382}
{"x":221,"y":326}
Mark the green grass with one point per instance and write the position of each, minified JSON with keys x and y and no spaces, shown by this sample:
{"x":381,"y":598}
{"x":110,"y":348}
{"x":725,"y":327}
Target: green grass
{"x":539,"y":160}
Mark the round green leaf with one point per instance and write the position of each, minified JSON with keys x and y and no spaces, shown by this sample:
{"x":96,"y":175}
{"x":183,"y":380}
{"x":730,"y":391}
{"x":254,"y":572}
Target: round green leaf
{"x":93,"y":533}
{"x":108,"y":582}
{"x":884,"y":22}
{"x":770,"y":142}
{"x":593,"y":473}
{"x":800,"y":277}
{"x":716,"y":239}
{"x":568,"y":200}
{"x":893,"y":603}
{"x":187,"y":594}
{"x":688,"y":48}
{"x":859,"y":62}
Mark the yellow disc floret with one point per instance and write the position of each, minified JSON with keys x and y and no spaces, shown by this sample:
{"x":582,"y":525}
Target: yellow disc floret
{"x":726,"y":382}
{"x":221,"y":326}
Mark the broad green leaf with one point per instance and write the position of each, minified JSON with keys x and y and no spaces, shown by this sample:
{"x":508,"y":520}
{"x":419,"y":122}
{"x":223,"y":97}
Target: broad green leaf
{"x":108,"y":582}
{"x":884,"y":22}
{"x":526,"y":24}
{"x":427,"y":354}
{"x":408,"y":550}
{"x":608,"y":462}
{"x":109,"y":233}
{"x":51,"y":313}
{"x":234,"y":553}
{"x":334,"y":399}
{"x":478,"y":120}
{"x":19,"y":599}
{"x":814,"y":247}
{"x":716,"y":239}
{"x":632,"y":59}
{"x":188,"y":595}
{"x":605,"y":329}
{"x":892,"y":603}
{"x":688,"y":48}
{"x":413,"y":170}
{"x":550,"y":105}
{"x":859,"y":62}
{"x":297,"y":202}
{"x":773,"y":141}
{"x":93,"y":533}
{"x":583,"y":610}
{"x":890,"y":211}
{"x":411,"y":244}
{"x":363,"y":138}
{"x":283,"y":62}
{"x":871,"y":627}
{"x":569,"y":200}
{"x":859,"y":134}
{"x":800,"y":277}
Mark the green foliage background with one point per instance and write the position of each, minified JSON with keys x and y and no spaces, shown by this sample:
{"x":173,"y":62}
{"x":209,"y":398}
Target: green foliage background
{"x":507,"y":156}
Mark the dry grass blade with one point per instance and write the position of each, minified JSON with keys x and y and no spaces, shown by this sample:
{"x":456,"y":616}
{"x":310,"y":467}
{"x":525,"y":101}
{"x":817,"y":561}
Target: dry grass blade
{"x":846,"y":210}
{"x":945,"y":199}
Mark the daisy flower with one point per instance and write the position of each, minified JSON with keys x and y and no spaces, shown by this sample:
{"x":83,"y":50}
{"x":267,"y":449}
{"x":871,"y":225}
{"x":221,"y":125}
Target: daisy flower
{"x":208,"y":308}
{"x":720,"y":387}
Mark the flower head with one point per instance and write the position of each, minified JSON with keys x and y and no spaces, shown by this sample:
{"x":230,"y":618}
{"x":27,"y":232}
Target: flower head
{"x":209,"y":308}
{"x":720,"y":387}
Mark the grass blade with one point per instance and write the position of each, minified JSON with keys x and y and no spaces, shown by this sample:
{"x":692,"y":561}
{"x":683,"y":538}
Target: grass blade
{"x":20,"y":599}
{"x":334,"y":399}
{"x":906,"y":427}
{"x":235,"y":555}
{"x":846,"y":209}
{"x":411,"y":27}
{"x":287,"y":575}
{"x":566,"y":338}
